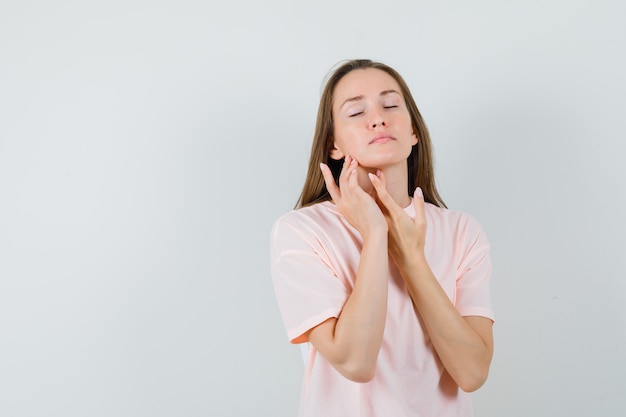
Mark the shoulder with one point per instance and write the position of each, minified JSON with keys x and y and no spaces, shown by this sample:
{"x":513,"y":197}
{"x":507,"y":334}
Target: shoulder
{"x":307,"y":217}
{"x":308,"y":222}
{"x":461,"y":224}
{"x":448,"y":216}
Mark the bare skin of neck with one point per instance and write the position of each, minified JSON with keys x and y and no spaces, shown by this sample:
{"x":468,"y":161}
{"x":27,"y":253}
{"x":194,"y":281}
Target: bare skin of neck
{"x":396,"y":182}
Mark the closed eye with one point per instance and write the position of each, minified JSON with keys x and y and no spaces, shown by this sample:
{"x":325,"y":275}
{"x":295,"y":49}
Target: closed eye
{"x":390,"y":107}
{"x":355,"y":114}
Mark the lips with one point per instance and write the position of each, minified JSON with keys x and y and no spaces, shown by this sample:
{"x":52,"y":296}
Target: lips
{"x":382,"y":138}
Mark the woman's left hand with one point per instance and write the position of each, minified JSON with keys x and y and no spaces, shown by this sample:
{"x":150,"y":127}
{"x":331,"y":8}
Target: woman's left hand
{"x":407,"y":236}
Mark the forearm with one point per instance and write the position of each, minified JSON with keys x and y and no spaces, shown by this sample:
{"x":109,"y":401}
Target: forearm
{"x":463,"y":350}
{"x":351,"y":343}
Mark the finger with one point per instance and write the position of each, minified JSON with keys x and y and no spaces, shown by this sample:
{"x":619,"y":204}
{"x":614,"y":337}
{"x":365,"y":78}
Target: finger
{"x":348,"y":166}
{"x":420,"y":208}
{"x":380,"y":174}
{"x":383,"y":195}
{"x":345,"y":171}
{"x":353,"y":181}
{"x":332,"y":188}
{"x":351,"y":178}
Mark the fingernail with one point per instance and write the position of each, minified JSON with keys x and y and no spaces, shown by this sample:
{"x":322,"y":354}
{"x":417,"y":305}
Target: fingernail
{"x":378,"y":172}
{"x":372,"y":176}
{"x":322,"y":166}
{"x":418,"y":193}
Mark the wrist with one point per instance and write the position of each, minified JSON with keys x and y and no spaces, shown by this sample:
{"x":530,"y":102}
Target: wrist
{"x":375,"y":236}
{"x":375,"y":233}
{"x":415,"y":264}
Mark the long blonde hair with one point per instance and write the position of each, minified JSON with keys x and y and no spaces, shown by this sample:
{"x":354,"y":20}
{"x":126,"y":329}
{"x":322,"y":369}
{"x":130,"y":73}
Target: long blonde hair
{"x":420,"y":161}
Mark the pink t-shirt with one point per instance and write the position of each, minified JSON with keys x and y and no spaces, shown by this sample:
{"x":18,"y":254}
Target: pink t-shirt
{"x":314,"y":260}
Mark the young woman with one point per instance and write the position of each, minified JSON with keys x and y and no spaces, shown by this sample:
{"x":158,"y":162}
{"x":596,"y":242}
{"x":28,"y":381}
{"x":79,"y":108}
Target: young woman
{"x":388,"y":286}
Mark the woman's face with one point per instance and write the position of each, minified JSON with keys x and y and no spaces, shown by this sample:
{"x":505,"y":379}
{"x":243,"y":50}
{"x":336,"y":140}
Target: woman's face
{"x":371,"y":121}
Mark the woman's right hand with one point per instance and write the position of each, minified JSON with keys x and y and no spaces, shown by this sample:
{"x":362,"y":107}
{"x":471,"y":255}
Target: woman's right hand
{"x":351,"y":342}
{"x":357,"y":206}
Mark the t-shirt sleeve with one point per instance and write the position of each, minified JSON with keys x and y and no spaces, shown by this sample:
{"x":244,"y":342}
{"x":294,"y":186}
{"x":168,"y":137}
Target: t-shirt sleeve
{"x":306,"y":286}
{"x":473,"y":294}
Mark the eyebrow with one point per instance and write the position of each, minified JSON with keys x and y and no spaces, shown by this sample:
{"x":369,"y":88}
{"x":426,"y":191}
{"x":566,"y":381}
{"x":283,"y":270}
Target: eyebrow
{"x":360,"y":97}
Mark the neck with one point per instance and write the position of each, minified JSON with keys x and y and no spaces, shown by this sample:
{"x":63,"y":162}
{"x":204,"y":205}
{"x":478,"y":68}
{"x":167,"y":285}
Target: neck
{"x":396,"y":181}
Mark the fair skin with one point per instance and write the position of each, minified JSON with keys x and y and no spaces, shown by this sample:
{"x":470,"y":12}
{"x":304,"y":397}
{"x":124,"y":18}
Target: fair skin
{"x":373,"y":132}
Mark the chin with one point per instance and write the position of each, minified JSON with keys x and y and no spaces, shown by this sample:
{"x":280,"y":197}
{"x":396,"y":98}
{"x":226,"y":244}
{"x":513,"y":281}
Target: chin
{"x":381,"y":162}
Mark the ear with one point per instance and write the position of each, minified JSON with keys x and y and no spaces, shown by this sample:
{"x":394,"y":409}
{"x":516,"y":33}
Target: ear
{"x":414,"y":139}
{"x":336,"y":153}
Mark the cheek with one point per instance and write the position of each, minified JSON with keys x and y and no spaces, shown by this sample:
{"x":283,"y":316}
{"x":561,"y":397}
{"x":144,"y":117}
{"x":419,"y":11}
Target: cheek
{"x":345,"y":138}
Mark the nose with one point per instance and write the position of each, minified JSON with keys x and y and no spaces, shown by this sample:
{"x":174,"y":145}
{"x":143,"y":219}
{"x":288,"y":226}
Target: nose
{"x":377,"y":119}
{"x":378,"y":122}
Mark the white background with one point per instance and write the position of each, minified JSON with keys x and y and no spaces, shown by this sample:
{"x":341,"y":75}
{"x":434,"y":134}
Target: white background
{"x":146,"y":147}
